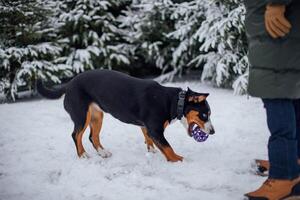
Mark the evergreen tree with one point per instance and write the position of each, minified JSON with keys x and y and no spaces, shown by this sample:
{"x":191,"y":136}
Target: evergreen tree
{"x":49,"y":39}
{"x":26,"y":50}
{"x":223,"y":44}
{"x":188,"y":17}
{"x":89,"y":35}
{"x":146,"y":25}
{"x":181,"y":35}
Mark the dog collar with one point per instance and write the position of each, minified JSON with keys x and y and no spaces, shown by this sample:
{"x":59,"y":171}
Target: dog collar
{"x":180,"y":104}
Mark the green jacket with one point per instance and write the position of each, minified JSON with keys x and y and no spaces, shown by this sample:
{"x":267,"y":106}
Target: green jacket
{"x":275,"y":63}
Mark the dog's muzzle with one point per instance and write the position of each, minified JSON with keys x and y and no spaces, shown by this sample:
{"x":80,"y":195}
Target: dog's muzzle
{"x":209,"y":128}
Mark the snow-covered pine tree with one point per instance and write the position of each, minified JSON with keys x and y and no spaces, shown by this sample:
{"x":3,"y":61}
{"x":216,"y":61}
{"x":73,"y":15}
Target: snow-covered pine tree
{"x":146,"y":24}
{"x":89,"y":35}
{"x":188,"y":17}
{"x":223,"y":48}
{"x":180,"y":35}
{"x":26,"y":50}
{"x":174,"y":35}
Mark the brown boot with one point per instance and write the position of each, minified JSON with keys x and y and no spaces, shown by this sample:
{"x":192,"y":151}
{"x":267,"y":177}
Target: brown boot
{"x":262,"y":167}
{"x":275,"y":189}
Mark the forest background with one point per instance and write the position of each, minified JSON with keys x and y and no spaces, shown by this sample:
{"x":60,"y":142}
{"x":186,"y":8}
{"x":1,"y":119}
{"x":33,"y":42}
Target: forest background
{"x":55,"y":40}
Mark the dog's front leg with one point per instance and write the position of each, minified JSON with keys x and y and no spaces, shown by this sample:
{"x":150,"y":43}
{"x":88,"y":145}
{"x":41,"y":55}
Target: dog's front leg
{"x":157,"y":135}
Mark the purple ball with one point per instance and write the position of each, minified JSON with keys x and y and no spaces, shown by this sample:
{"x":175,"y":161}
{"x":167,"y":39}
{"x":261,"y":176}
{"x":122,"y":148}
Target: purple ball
{"x":199,"y":135}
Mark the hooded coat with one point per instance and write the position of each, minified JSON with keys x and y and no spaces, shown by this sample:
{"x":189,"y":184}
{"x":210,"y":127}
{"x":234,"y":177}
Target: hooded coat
{"x":274,"y":63}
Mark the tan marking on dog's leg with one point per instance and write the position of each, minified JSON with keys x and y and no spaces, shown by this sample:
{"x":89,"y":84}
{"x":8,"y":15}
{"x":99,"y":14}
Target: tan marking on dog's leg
{"x":171,"y":155}
{"x":96,"y":125}
{"x":168,"y":152}
{"x":166,"y":124}
{"x":148,"y":140}
{"x":80,"y":150}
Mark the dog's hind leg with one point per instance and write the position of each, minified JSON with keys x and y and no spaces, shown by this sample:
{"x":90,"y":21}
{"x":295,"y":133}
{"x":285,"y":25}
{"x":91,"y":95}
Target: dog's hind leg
{"x":81,"y":116}
{"x":95,"y":126}
{"x":148,"y":140}
{"x":78,"y":133}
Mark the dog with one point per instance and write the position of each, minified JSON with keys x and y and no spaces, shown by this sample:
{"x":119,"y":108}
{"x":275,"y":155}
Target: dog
{"x":144,"y":103}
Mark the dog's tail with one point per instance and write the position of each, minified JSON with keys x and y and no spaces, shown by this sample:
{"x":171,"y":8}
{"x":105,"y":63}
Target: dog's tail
{"x":49,"y":93}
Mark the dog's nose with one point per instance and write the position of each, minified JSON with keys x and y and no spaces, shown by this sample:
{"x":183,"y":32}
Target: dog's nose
{"x":212,"y":131}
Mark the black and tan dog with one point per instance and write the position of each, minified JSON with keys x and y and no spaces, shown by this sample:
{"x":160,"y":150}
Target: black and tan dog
{"x":144,"y":103}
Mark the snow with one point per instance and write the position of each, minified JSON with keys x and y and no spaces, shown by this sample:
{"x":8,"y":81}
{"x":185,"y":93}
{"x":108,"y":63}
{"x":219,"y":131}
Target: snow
{"x":38,"y":159}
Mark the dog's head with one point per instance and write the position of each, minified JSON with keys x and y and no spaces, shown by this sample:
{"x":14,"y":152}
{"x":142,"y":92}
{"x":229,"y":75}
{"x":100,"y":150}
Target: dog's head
{"x":197,"y":112}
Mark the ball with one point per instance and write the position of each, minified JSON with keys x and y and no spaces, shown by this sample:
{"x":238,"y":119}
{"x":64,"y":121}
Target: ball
{"x":199,"y":135}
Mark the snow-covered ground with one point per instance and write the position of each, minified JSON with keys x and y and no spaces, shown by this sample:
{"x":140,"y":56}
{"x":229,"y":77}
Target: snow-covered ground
{"x":38,"y":159}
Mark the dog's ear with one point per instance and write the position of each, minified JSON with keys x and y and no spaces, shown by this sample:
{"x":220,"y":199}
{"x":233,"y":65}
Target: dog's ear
{"x":198,"y":98}
{"x":205,"y":94}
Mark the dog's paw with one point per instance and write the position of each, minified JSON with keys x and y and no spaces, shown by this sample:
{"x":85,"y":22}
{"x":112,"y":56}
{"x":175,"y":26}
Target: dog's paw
{"x":175,"y":158}
{"x":152,"y":149}
{"x":84,"y":155}
{"x":104,"y":153}
{"x":150,"y":146}
{"x":257,"y":168}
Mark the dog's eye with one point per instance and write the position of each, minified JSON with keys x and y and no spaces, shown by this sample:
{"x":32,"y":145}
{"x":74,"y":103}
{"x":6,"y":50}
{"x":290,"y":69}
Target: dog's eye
{"x":204,"y":116}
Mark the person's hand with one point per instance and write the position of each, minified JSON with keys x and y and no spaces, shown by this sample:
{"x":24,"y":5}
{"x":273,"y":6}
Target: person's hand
{"x":275,"y":22}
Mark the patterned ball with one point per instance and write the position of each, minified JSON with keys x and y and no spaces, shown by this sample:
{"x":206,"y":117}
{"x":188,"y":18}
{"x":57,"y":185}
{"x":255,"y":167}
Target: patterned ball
{"x":199,"y":135}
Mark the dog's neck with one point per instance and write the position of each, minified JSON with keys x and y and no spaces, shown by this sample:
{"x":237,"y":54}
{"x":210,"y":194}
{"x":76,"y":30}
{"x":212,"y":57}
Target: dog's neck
{"x":180,"y":104}
{"x":174,"y":98}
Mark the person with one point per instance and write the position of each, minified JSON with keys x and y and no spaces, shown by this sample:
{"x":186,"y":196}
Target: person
{"x":273,"y":32}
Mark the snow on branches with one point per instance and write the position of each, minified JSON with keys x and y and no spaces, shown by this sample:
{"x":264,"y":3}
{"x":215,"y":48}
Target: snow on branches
{"x":89,"y":35}
{"x":26,"y":47}
{"x":208,"y":35}
{"x":52,"y":39}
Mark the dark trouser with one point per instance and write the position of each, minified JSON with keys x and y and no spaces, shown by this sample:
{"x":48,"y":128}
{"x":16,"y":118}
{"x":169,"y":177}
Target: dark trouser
{"x":283,"y":118}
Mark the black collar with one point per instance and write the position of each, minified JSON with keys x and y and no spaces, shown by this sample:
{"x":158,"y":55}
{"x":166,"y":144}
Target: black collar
{"x":180,"y":104}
